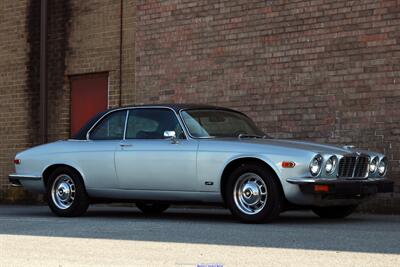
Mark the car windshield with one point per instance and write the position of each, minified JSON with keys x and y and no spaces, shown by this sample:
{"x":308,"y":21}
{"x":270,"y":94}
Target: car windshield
{"x":214,"y":123}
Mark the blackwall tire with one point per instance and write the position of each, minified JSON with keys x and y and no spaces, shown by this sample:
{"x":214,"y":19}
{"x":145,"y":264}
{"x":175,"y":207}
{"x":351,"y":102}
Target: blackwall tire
{"x":252,"y":194}
{"x":66,"y":193}
{"x":152,"y":208}
{"x":335,"y":212}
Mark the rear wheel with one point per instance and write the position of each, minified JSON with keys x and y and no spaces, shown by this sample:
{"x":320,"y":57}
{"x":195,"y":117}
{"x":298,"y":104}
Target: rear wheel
{"x":66,"y":194}
{"x":335,"y":212}
{"x":252,"y":194}
{"x":152,"y":207}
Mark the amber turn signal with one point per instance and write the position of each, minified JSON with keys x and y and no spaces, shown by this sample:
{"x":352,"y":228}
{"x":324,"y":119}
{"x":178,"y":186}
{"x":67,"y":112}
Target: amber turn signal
{"x":288,"y":164}
{"x":321,"y":188}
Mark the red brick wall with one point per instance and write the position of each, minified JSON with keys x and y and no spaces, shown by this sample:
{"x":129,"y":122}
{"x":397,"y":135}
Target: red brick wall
{"x":320,"y":70}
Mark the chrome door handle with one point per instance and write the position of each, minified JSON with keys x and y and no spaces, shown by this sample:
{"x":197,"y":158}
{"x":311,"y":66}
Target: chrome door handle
{"x":125,"y":145}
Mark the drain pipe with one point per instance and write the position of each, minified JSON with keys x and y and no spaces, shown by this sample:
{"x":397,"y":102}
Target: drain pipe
{"x":43,"y":71}
{"x":121,"y":32}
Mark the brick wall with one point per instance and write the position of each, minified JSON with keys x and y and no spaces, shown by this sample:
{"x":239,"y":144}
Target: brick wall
{"x":321,"y":70}
{"x":59,"y":15}
{"x":83,"y":37}
{"x":94,"y":45}
{"x":16,"y":97}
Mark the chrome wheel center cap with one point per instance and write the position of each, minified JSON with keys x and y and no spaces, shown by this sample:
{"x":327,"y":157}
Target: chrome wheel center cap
{"x":63,"y":191}
{"x":251,"y":193}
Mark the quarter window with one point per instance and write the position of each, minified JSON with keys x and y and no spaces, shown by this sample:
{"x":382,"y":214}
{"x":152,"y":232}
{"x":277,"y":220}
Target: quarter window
{"x":151,"y":123}
{"x":111,"y":127}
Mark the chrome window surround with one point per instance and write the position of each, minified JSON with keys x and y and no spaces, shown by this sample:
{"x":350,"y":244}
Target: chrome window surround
{"x":126,"y":125}
{"x":100,"y":119}
{"x":208,"y":137}
{"x":126,"y":120}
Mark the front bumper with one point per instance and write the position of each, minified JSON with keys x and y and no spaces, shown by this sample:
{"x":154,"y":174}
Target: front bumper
{"x":15,"y":179}
{"x":342,"y":187}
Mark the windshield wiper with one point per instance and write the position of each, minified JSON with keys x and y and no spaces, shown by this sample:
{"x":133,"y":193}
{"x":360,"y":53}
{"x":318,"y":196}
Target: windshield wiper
{"x":240,"y":136}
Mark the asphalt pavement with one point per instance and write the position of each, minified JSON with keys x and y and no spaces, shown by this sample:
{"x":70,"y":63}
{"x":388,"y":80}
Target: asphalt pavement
{"x":122,"y":236}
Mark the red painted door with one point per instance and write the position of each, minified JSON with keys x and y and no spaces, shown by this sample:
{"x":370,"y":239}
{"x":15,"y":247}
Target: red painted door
{"x":89,"y":96}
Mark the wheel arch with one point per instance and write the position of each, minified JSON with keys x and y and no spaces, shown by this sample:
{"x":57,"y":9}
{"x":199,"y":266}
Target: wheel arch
{"x":235,"y":163}
{"x":51,"y":168}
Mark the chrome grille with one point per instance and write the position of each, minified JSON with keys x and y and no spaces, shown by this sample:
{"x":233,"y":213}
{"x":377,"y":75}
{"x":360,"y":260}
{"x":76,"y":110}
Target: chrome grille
{"x":353,"y":167}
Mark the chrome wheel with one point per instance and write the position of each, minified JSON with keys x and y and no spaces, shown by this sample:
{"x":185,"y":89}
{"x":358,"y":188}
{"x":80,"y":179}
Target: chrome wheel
{"x":63,"y":191}
{"x":250,"y":193}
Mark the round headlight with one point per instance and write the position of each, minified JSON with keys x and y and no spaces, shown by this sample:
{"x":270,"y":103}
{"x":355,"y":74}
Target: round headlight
{"x":330,"y":164}
{"x":315,"y":165}
{"x":382,"y":167}
{"x":373,"y":165}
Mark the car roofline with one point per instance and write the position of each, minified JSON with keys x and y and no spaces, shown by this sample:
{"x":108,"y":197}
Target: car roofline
{"x":85,"y":130}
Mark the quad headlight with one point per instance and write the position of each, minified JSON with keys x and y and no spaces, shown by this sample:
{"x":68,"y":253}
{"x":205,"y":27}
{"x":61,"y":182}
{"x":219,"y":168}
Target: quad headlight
{"x":315,"y":165}
{"x":382,"y":167}
{"x":373,"y":165}
{"x":330,"y":164}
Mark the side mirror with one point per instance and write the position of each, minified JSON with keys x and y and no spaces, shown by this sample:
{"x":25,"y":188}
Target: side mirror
{"x":171,"y":135}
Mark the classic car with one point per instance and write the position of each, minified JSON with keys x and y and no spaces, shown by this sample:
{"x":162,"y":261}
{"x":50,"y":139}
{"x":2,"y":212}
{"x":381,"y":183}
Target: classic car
{"x":157,"y":155}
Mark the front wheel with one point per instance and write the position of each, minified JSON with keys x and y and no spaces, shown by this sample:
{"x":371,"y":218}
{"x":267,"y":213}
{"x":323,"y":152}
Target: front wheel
{"x":152,"y":208}
{"x":252,"y":194}
{"x":66,"y":193}
{"x":335,"y":212}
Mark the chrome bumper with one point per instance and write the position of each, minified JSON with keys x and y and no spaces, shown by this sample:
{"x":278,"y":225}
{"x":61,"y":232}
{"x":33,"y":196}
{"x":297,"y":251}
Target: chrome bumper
{"x":15,"y":178}
{"x":343,"y":186}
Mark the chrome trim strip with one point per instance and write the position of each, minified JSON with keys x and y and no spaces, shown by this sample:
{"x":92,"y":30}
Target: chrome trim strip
{"x":331,"y":180}
{"x":24,"y":176}
{"x":126,"y":125}
{"x":355,"y":165}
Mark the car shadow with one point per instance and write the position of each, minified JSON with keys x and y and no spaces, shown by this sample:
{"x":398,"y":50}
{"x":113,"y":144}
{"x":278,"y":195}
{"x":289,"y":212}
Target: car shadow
{"x":296,"y":230}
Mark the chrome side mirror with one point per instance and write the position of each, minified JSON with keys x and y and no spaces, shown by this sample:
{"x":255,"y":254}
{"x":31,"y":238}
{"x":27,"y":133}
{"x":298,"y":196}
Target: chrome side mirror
{"x":171,"y":135}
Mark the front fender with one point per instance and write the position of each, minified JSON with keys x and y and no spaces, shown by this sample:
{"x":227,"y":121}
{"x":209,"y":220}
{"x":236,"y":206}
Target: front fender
{"x":261,"y":157}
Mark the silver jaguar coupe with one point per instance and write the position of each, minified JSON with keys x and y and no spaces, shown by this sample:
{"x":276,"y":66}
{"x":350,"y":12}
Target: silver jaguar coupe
{"x":162,"y":154}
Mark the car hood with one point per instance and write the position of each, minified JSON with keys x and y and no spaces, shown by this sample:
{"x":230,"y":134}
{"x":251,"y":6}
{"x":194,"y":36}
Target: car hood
{"x":303,"y":145}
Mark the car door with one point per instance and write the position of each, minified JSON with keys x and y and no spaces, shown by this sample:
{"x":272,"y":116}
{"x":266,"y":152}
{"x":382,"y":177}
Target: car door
{"x":150,"y":158}
{"x":96,"y":156}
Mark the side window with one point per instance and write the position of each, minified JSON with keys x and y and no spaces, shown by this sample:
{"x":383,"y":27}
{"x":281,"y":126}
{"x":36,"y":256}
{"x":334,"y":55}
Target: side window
{"x":151,"y":123}
{"x":111,"y":127}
